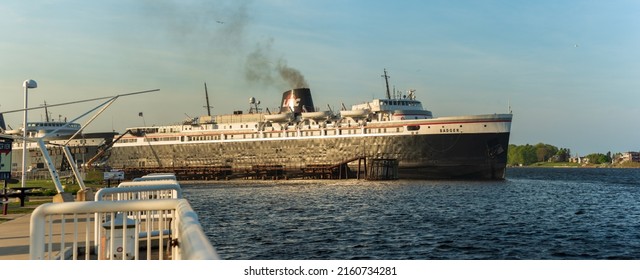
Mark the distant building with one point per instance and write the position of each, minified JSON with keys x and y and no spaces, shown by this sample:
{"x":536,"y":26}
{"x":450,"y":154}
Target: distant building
{"x":629,"y":157}
{"x":579,"y":160}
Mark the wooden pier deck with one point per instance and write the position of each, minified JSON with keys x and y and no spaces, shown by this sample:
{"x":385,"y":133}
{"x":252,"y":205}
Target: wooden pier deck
{"x":345,"y":169}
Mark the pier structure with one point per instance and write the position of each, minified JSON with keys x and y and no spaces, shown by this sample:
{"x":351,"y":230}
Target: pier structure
{"x":359,"y":167}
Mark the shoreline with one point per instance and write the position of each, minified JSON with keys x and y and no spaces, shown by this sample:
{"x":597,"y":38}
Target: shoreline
{"x":581,"y":166}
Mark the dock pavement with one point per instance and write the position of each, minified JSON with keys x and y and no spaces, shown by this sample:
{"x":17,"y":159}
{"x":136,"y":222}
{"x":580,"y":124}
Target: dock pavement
{"x":14,"y":237}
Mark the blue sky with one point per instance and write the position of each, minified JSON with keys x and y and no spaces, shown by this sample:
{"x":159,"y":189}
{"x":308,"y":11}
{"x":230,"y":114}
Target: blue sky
{"x":569,"y":69}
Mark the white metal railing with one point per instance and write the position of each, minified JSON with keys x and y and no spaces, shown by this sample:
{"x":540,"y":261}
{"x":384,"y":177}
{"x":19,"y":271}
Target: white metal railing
{"x":63,"y":231}
{"x":156,"y":176}
{"x":141,"y":190}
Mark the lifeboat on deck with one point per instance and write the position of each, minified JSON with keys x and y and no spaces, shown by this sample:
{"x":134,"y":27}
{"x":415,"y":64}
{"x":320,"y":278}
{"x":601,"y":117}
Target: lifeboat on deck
{"x":281,"y":117}
{"x":355,"y":114}
{"x":322,"y":115}
{"x":14,"y":131}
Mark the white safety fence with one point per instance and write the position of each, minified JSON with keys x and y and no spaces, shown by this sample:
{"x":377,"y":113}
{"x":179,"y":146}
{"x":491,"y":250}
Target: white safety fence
{"x":156,"y":176}
{"x":141,"y":190}
{"x":138,"y":190}
{"x":128,"y":229}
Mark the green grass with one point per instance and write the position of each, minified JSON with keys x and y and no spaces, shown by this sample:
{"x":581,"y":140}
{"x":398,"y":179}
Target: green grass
{"x":49,"y":187}
{"x":45,"y":195}
{"x":93,"y":181}
{"x":29,"y":206}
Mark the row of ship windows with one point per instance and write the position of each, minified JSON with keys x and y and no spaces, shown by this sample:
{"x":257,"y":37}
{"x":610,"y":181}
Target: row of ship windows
{"x":162,"y":139}
{"x":209,"y":127}
{"x":288,"y":134}
{"x":57,"y":151}
{"x":77,"y":142}
{"x":69,"y":125}
{"x":401,"y":103}
{"x":443,"y":129}
{"x":267,"y":135}
{"x":349,"y":122}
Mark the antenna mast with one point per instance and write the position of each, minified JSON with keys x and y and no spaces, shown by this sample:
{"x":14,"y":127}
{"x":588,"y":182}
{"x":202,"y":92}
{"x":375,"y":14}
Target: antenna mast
{"x":386,"y":80}
{"x":46,"y":112}
{"x":207,"y":96}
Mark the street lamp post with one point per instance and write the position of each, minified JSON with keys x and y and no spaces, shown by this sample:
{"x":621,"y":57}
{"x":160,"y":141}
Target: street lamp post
{"x":27,"y":85}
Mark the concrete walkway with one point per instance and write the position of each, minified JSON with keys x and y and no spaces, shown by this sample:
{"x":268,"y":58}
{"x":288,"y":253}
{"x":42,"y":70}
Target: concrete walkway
{"x":14,"y":237}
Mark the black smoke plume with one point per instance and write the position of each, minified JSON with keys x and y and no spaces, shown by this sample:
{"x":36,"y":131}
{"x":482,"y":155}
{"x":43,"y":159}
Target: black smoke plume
{"x":261,"y":67}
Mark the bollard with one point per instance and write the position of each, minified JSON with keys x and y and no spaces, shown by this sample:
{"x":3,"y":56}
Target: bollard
{"x":5,"y":205}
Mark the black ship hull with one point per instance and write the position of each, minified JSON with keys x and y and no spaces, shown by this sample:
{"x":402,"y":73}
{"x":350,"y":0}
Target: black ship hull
{"x":418,"y":156}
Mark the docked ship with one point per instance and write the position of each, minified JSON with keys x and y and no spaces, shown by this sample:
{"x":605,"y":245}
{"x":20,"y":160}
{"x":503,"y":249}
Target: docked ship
{"x":300,"y":138}
{"x":56,"y":133}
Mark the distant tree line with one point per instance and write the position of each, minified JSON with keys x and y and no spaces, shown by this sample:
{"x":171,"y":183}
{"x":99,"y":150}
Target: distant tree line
{"x":599,"y":158}
{"x":530,"y":154}
{"x":541,"y":152}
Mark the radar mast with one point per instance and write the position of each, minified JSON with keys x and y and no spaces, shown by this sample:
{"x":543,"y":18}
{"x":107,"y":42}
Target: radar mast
{"x":386,"y":80}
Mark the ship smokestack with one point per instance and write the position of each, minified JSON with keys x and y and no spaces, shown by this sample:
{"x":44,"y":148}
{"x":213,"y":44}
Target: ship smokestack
{"x":297,"y":100}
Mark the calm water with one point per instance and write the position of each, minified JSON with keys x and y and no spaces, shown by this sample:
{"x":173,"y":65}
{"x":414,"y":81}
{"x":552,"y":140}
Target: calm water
{"x":534,"y":214}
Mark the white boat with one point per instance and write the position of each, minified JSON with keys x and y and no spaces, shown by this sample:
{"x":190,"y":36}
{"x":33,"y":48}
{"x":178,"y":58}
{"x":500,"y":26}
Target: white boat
{"x":58,"y":133}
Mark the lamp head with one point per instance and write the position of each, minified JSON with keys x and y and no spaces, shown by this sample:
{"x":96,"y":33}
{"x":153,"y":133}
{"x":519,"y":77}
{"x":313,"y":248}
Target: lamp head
{"x":30,"y":84}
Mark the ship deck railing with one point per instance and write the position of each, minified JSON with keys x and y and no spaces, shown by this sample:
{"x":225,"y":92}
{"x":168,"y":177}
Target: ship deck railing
{"x":142,"y":220}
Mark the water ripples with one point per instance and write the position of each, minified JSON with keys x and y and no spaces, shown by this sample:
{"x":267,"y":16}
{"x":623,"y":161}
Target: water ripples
{"x":535,"y":214}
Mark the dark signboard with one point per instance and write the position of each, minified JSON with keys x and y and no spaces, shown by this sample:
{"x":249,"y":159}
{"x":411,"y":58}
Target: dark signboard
{"x":5,"y":158}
